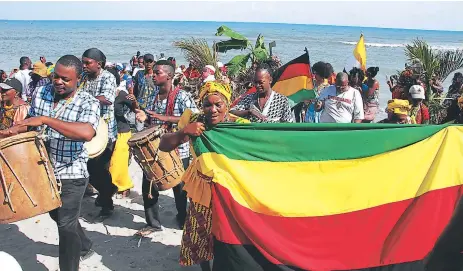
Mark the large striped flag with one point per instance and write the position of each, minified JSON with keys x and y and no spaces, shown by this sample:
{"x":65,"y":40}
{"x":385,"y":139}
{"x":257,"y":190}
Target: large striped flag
{"x":334,"y":196}
{"x":294,"y":80}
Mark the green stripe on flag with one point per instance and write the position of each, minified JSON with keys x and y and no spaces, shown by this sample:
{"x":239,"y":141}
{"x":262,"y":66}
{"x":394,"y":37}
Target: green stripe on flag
{"x":301,"y":95}
{"x":289,"y":142}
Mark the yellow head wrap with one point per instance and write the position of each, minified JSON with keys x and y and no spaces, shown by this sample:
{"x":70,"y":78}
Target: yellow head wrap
{"x":398,"y":106}
{"x":214,"y":87}
{"x":50,"y":70}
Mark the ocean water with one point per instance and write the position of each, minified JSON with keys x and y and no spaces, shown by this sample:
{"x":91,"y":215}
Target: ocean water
{"x":120,"y":40}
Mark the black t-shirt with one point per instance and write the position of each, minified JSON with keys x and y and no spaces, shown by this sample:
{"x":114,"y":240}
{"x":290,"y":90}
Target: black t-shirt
{"x":121,"y":106}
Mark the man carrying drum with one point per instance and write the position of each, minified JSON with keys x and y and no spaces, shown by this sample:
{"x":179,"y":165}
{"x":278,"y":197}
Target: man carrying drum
{"x":101,"y":84}
{"x":168,"y":105}
{"x":68,"y":118}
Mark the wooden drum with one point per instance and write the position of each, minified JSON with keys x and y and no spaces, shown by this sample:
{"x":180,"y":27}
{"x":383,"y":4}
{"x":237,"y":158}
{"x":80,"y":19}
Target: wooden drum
{"x":165,"y":169}
{"x":28,"y":184}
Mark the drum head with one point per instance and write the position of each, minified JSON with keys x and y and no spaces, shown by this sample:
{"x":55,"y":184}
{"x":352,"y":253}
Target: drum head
{"x":148,"y":133}
{"x":17,"y":139}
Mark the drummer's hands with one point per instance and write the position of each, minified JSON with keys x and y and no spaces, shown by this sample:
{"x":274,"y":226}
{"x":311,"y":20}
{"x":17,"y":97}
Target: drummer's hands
{"x":31,"y":122}
{"x":194,"y":129}
{"x":152,"y":114}
{"x":131,"y":97}
{"x":140,"y":115}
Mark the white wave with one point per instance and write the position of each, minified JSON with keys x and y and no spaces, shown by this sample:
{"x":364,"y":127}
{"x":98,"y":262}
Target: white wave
{"x":397,"y":45}
{"x":374,"y":44}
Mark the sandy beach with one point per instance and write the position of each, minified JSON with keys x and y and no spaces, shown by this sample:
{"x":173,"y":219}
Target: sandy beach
{"x":34,"y":242}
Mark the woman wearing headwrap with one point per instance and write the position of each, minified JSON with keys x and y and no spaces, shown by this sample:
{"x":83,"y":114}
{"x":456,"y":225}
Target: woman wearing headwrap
{"x":398,"y":112}
{"x":197,"y":242}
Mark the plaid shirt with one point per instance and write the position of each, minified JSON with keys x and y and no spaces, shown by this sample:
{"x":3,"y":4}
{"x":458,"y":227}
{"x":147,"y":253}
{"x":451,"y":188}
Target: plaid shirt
{"x":183,"y":101}
{"x":69,"y":157}
{"x":104,"y":85}
{"x":33,"y":86}
{"x":145,"y":89}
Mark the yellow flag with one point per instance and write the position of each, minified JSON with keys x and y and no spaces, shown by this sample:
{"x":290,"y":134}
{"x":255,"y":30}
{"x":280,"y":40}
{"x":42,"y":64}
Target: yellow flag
{"x":360,"y":53}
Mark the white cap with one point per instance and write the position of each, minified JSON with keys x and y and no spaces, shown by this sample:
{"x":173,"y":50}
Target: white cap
{"x":417,"y":92}
{"x":220,"y":64}
{"x":178,"y":70}
{"x":210,"y":67}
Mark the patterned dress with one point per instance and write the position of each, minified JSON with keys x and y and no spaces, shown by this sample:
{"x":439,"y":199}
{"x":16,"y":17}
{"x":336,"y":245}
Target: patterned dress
{"x":197,"y":242}
{"x":10,"y":115}
{"x":277,"y":108}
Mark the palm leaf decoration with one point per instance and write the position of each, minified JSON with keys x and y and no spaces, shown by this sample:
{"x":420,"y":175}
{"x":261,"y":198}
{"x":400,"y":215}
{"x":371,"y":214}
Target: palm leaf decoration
{"x":198,"y":52}
{"x":449,"y":61}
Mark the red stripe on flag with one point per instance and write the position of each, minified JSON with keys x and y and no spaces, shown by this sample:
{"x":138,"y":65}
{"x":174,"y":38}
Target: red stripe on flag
{"x":394,"y":233}
{"x":294,"y":70}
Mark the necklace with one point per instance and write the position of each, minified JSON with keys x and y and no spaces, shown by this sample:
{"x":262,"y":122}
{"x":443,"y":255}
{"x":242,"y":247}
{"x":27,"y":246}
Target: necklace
{"x":7,"y":107}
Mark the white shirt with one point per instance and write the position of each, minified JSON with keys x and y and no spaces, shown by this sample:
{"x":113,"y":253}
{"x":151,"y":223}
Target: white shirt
{"x":23,"y":77}
{"x":341,"y":108}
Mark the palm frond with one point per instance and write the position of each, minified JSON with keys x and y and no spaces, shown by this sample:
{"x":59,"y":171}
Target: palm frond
{"x":197,"y":52}
{"x":449,"y":61}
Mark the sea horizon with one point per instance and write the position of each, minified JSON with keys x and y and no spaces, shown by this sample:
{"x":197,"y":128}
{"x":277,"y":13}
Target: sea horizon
{"x":121,"y":39}
{"x":238,"y":22}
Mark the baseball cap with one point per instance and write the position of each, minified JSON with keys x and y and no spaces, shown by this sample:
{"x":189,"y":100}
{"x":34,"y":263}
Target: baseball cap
{"x":417,"y":92}
{"x":12,"y":83}
{"x":148,"y":57}
{"x":40,"y":69}
{"x":119,"y":67}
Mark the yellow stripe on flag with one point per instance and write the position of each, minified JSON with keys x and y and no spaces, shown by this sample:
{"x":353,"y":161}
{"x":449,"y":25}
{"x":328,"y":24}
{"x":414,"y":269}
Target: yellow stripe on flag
{"x":290,"y":86}
{"x":309,"y":189}
{"x":360,"y":53}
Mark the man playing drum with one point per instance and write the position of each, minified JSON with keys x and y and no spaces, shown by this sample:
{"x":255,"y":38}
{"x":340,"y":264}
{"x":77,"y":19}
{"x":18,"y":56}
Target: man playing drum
{"x":166,"y":109}
{"x":70,"y":118}
{"x":101,"y":84}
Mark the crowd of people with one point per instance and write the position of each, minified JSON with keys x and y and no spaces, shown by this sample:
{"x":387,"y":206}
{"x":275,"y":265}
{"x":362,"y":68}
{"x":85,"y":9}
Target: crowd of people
{"x":69,"y":99}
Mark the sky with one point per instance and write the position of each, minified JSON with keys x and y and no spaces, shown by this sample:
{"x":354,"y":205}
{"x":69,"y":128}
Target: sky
{"x":429,"y":15}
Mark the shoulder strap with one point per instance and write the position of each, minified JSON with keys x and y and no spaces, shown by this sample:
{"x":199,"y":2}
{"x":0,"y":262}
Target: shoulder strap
{"x":171,"y":101}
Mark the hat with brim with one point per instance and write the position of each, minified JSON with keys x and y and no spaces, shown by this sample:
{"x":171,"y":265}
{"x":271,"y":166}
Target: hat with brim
{"x":12,"y":83}
{"x":40,"y":69}
{"x":417,"y":92}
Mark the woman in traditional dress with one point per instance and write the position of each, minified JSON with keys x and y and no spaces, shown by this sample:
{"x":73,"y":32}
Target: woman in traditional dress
{"x":371,"y":95}
{"x":13,"y":108}
{"x":197,"y":242}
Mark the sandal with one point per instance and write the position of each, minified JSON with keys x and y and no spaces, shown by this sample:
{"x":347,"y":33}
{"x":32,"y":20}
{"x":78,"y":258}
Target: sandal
{"x":147,"y":231}
{"x":123,"y":194}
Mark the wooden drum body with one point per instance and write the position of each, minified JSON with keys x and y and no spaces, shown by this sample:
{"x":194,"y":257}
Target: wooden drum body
{"x":27,"y":183}
{"x":165,"y":169}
